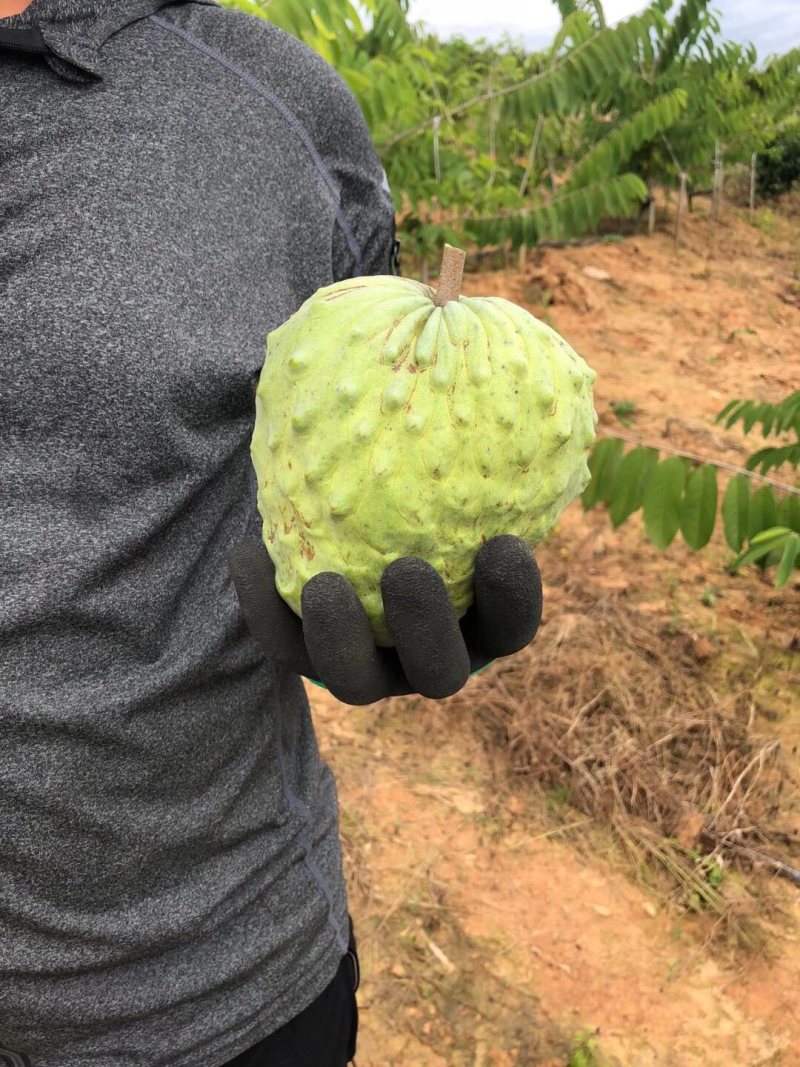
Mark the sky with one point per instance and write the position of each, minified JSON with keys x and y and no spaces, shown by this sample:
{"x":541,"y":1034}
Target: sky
{"x":771,"y":25}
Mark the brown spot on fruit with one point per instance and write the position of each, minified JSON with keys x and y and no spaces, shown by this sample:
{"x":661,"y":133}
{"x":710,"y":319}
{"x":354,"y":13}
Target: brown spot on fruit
{"x":306,"y":548}
{"x":393,"y":327}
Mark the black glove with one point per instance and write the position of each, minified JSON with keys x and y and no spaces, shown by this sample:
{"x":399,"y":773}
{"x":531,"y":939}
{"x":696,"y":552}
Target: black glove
{"x":434,"y":652}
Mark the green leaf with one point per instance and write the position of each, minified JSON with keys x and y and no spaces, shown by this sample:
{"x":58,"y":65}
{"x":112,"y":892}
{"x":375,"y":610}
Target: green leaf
{"x":698,"y":507}
{"x":774,"y":418}
{"x":729,"y":407}
{"x":735,"y":510}
{"x":761,"y":545}
{"x":770,"y":458}
{"x":662,"y":501}
{"x":567,"y":8}
{"x":789,"y":512}
{"x":603,"y":465}
{"x":750,"y":416}
{"x":788,"y":413}
{"x":632,"y":477}
{"x":788,"y":560}
{"x":740,"y":410}
{"x":766,"y":536}
{"x":682,"y":33}
{"x":763,"y":511}
{"x":571,"y":212}
{"x":322,"y":29}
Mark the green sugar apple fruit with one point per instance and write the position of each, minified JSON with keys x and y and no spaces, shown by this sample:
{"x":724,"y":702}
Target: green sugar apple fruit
{"x":394,"y":420}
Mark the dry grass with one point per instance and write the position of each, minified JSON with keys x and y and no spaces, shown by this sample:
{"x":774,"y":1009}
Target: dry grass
{"x":613,"y":713}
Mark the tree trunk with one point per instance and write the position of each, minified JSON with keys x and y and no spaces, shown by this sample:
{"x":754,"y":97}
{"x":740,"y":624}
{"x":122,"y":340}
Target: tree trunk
{"x":681,"y":203}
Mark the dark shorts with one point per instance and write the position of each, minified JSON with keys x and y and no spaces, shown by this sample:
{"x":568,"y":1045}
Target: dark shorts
{"x":324,"y":1034}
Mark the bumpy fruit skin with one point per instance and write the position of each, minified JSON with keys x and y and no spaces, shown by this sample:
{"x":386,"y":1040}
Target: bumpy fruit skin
{"x":387,"y":427}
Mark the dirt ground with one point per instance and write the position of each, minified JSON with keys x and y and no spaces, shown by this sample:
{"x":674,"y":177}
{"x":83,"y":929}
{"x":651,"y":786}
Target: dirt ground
{"x":488,"y":935}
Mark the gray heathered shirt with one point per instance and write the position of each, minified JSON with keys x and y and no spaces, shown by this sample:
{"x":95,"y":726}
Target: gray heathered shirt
{"x":171,"y":189}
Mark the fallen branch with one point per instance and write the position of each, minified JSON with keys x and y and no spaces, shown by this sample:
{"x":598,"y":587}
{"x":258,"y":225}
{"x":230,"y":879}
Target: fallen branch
{"x":778,"y":866}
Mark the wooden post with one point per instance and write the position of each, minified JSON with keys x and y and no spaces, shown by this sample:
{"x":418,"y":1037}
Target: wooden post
{"x":716,"y":197}
{"x":437,"y":170}
{"x":651,"y":214}
{"x":716,"y":191}
{"x":552,"y":175}
{"x":523,"y":258}
{"x":492,"y":141}
{"x":526,"y":177}
{"x":424,"y":274}
{"x":493,"y":115}
{"x":753,"y":159}
{"x":715,"y":184}
{"x":681,"y":203}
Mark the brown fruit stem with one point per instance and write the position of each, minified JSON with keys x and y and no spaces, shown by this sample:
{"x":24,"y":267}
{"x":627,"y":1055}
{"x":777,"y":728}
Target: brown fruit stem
{"x":450,"y":276}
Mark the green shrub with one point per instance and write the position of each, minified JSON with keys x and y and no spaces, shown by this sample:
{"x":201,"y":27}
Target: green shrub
{"x":778,"y":166}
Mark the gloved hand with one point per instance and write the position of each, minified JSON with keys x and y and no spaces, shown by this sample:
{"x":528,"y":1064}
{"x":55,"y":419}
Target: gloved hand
{"x":434,"y":651}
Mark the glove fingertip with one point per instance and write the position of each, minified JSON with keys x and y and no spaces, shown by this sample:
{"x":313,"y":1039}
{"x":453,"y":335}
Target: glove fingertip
{"x":507,"y":610}
{"x":505,"y":551}
{"x":424,"y":627}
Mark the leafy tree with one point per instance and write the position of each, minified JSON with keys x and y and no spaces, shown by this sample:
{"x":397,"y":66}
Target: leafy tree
{"x":492,"y":144}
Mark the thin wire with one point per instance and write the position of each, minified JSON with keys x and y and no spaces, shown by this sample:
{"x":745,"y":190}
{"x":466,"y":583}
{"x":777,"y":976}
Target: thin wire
{"x":783,"y":486}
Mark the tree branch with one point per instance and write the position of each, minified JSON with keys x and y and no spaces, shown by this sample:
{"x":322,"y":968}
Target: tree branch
{"x":495,"y":94}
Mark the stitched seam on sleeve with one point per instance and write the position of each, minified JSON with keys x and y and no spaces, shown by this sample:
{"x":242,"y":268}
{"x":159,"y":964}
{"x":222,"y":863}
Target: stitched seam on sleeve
{"x":290,"y":118}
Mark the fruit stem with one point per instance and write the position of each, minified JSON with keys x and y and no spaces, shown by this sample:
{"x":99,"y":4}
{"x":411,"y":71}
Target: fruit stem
{"x":450,"y":275}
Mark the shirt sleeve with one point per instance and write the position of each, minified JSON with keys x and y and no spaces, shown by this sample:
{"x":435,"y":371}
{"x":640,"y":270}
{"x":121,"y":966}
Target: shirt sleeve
{"x":367,"y":211}
{"x":365,"y":236}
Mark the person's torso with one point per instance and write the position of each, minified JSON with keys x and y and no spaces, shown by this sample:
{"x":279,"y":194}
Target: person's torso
{"x":157,"y":774}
